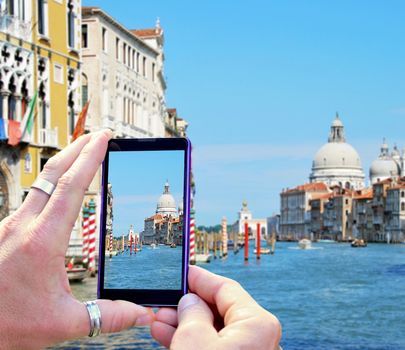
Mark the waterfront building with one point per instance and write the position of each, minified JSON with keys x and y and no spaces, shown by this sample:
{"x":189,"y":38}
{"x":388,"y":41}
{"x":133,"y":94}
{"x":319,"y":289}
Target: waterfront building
{"x":295,"y":211}
{"x":337,"y":216}
{"x":246,"y":216}
{"x":363,"y":215}
{"x":174,"y":125}
{"x":317,"y":207}
{"x":395,"y":213}
{"x":165,"y":226}
{"x":39,"y":52}
{"x":388,"y":164}
{"x":337,"y":162}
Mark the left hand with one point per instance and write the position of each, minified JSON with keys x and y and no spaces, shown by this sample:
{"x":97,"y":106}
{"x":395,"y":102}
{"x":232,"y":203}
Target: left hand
{"x":37,"y":307}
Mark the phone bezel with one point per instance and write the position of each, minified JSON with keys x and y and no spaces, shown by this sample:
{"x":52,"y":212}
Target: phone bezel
{"x":147,"y":297}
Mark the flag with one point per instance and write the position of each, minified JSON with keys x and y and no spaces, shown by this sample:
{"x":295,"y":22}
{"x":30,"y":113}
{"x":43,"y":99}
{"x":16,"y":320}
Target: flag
{"x":3,"y":134}
{"x":28,"y":119}
{"x":14,"y":132}
{"x":81,"y":121}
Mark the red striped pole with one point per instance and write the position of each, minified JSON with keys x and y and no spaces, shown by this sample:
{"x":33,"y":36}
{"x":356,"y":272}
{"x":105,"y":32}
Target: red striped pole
{"x":111,"y":244}
{"x":85,"y":234}
{"x":246,"y":241}
{"x":258,"y":241}
{"x":130,"y":245}
{"x":224,"y":238}
{"x":92,"y":236}
{"x":192,"y":238}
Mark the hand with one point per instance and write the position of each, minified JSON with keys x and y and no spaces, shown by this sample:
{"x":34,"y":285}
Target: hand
{"x":37,"y":308}
{"x":220,"y":315}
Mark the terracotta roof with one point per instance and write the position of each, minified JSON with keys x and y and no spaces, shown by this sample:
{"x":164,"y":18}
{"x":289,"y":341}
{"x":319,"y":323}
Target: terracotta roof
{"x":309,"y":187}
{"x":321,"y":196}
{"x":146,"y":33}
{"x":367,"y":194}
{"x":154,"y":217}
{"x":172,"y":111}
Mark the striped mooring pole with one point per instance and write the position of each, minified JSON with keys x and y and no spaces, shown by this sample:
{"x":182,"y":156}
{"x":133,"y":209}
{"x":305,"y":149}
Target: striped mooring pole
{"x":85,"y":234}
{"x":224,"y":238}
{"x":246,"y":241}
{"x":111,"y":245}
{"x":192,"y":237}
{"x":92,"y":236}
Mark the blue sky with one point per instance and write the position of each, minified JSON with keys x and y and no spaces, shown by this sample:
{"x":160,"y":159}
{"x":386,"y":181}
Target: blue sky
{"x":260,"y":82}
{"x":138,"y":180}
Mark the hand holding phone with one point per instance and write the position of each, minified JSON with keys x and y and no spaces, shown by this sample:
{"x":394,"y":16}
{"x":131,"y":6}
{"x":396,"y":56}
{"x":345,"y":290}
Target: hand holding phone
{"x":145,"y":221}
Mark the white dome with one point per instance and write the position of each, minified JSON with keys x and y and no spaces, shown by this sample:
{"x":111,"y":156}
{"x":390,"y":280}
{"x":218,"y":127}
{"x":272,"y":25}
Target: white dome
{"x":337,"y":155}
{"x":166,"y":204}
{"x":383,"y":168}
{"x":337,"y":162}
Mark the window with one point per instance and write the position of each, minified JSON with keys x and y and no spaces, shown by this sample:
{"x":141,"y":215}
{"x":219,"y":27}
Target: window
{"x":402,"y":194}
{"x":137,"y":61}
{"x":42,"y":107}
{"x":144,"y":66}
{"x":104,"y":39}
{"x":117,"y":49}
{"x":71,"y":24}
{"x":84,"y":36}
{"x":402,"y":206}
{"x":71,"y":112}
{"x":27,"y":163}
{"x":12,"y":102}
{"x":10,"y":7}
{"x":124,"y":53}
{"x":153,"y":71}
{"x":85,"y":91}
{"x":42,"y":6}
{"x":58,"y":73}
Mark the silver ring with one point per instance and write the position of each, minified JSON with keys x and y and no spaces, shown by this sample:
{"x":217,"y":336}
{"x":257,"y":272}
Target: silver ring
{"x":95,"y":318}
{"x":44,"y":185}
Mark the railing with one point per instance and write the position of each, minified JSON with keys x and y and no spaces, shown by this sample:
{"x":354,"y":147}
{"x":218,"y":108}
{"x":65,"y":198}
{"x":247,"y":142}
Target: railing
{"x":15,"y":26}
{"x":48,"y":137}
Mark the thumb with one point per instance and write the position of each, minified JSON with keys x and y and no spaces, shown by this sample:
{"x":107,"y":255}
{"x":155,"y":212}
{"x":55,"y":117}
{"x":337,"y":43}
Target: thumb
{"x":195,"y":328}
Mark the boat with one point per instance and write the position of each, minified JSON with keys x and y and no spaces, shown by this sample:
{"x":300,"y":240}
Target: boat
{"x":358,"y":243}
{"x":76,"y":274}
{"x":263,"y":251}
{"x":113,"y":253}
{"x":173,"y":245}
{"x":304,"y":243}
{"x":203,"y":258}
{"x":152,"y":246}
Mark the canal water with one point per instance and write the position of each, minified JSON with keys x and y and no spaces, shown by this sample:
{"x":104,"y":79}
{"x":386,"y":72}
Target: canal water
{"x":158,"y":268}
{"x":329,"y":297}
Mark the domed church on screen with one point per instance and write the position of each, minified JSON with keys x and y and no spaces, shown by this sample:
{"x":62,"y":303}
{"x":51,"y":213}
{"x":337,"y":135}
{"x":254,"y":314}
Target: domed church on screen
{"x":337,"y":163}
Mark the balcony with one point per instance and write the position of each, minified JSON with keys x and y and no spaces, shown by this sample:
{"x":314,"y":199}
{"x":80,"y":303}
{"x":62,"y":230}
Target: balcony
{"x":16,"y":27}
{"x":48,"y":138}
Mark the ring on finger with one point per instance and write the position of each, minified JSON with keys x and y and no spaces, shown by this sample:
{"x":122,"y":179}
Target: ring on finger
{"x":95,"y":318}
{"x":44,"y":185}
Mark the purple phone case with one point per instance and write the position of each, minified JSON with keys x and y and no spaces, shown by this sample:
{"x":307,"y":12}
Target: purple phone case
{"x":186,"y":255}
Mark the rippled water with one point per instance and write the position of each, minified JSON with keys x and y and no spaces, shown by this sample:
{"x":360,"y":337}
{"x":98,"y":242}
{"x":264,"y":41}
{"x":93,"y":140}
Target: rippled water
{"x":332,"y":297}
{"x":158,"y":268}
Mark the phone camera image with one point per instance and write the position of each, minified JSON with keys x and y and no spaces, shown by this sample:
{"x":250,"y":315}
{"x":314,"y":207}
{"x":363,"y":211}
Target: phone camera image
{"x":145,"y":223}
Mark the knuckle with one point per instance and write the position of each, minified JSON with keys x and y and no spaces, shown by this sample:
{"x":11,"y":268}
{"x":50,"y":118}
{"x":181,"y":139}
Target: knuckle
{"x":51,"y":166}
{"x":68,"y":182}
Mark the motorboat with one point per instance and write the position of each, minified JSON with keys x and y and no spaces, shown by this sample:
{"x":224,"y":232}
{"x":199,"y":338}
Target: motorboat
{"x":263,"y":251}
{"x":153,"y":246}
{"x":326,"y":241}
{"x":305,"y":243}
{"x":359,"y":243}
{"x":76,"y":274}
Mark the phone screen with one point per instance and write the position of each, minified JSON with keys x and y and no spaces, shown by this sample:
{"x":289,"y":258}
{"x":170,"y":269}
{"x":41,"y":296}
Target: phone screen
{"x":145,"y":218}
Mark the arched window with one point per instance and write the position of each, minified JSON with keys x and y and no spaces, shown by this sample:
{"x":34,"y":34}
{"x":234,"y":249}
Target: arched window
{"x":71,"y":113}
{"x":402,"y":194}
{"x":42,"y":106}
{"x":12,"y":100}
{"x":24,"y":99}
{"x":85,"y":90}
{"x":402,"y":206}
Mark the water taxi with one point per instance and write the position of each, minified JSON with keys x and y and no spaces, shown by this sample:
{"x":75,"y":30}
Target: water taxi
{"x":358,"y":243}
{"x":305,"y":243}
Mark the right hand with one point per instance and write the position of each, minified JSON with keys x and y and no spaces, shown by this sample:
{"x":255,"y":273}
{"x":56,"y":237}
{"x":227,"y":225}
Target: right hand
{"x":218,"y":314}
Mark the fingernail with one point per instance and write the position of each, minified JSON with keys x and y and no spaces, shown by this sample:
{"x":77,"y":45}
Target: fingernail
{"x":187,"y":301}
{"x":144,"y":320}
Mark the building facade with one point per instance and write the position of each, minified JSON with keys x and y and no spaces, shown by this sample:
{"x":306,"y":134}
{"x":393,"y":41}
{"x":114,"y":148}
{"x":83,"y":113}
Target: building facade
{"x":245,"y":217}
{"x":39,"y":52}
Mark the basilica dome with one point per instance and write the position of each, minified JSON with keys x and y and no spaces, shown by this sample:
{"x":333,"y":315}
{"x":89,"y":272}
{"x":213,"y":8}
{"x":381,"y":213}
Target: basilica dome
{"x":384,"y":166}
{"x":337,"y":162}
{"x":166,"y":204}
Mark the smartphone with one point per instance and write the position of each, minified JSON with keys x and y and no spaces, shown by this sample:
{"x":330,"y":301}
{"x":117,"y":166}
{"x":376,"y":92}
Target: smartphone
{"x":144,"y":235}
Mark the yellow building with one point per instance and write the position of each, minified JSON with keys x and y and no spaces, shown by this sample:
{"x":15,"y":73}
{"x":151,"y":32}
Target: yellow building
{"x":39,"y":51}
